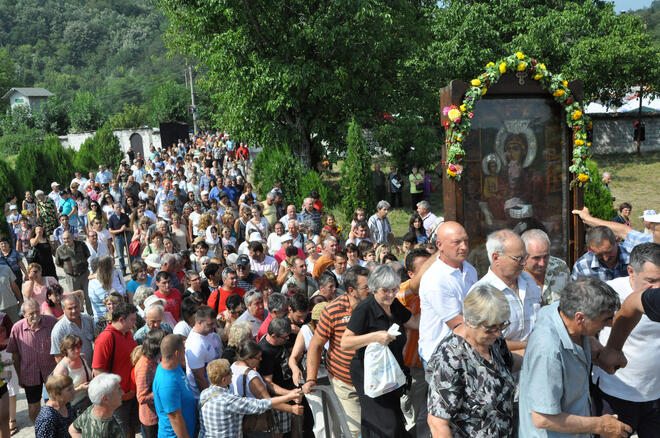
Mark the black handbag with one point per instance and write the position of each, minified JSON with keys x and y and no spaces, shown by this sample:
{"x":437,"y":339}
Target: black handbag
{"x":32,"y":255}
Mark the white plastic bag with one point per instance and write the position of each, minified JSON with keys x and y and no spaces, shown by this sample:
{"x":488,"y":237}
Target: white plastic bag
{"x":382,"y":373}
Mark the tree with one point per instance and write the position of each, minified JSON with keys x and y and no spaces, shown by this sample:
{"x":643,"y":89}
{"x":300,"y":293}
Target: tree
{"x":293,"y":72}
{"x":8,"y":77}
{"x":42,"y":162}
{"x":107,"y":150}
{"x":131,"y":116}
{"x":85,"y":113}
{"x":9,"y":186}
{"x":55,"y":116}
{"x":357,"y":185}
{"x":169,"y":103}
{"x":410,"y":142}
{"x":580,"y":39}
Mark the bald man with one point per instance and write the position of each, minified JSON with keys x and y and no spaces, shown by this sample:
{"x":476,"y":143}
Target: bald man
{"x":443,"y":287}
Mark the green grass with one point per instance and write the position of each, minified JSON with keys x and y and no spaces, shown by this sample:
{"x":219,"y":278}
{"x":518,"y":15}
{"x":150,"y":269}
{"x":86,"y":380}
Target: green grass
{"x":635,"y":179}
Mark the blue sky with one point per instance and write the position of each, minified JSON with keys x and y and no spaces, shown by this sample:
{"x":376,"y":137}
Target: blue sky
{"x":625,"y":5}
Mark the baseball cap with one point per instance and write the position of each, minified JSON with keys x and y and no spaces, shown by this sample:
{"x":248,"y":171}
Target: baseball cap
{"x":232,"y":258}
{"x":648,"y":213}
{"x":54,"y":184}
{"x":204,"y":192}
{"x":654,"y":218}
{"x":153,"y":299}
{"x":243,"y":260}
{"x":153,"y":261}
{"x":286,"y":238}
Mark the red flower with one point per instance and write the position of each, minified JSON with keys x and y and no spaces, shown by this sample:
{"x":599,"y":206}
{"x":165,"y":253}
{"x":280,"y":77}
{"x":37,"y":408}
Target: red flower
{"x":446,"y":124}
{"x":569,"y":101}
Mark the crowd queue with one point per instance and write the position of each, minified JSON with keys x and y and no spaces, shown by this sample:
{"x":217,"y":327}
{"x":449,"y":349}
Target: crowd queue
{"x":246,"y":317}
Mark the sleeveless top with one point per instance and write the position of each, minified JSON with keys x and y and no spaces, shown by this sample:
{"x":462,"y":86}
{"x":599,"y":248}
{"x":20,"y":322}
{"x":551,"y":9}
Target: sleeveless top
{"x":79,"y":375}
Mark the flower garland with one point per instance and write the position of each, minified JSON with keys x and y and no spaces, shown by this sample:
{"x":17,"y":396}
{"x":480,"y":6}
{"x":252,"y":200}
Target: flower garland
{"x":458,"y":123}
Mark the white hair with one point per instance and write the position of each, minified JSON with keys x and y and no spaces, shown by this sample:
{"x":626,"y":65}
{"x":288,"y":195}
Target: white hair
{"x":496,"y":240}
{"x":102,"y":386}
{"x":153,"y":307}
{"x":534,"y":234}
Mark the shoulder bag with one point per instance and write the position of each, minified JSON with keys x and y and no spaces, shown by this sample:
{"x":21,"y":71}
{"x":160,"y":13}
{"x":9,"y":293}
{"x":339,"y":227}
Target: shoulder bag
{"x":256,"y":422}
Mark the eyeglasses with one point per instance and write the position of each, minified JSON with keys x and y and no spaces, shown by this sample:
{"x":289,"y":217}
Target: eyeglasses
{"x":390,"y":291}
{"x":497,"y":328}
{"x":519,"y":259}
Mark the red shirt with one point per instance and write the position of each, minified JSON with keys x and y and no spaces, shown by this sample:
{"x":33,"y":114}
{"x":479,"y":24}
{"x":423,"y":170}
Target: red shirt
{"x":280,"y":255}
{"x":263,"y":330}
{"x":123,"y":345}
{"x":243,"y":152}
{"x":220,"y":305}
{"x":173,"y":301}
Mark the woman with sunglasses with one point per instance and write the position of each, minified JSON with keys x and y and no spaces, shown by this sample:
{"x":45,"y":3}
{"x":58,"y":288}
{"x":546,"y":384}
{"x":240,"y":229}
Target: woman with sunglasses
{"x":472,"y":386}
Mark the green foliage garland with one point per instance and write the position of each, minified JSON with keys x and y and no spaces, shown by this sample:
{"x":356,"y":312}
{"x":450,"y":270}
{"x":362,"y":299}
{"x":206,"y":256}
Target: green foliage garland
{"x":459,"y":122}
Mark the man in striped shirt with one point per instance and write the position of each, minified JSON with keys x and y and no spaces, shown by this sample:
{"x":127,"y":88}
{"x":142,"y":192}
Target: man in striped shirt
{"x":330,"y":329}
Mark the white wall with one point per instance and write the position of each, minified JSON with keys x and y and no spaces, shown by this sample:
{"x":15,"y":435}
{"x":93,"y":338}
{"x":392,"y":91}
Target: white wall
{"x":150,"y":136}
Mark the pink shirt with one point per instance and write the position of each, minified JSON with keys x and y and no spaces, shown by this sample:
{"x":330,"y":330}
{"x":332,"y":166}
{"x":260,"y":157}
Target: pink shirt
{"x":33,"y":347}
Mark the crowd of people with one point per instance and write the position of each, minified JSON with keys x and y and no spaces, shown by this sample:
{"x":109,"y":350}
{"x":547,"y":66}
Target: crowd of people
{"x":246,"y":317}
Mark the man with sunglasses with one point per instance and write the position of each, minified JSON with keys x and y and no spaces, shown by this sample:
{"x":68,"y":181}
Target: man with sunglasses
{"x":507,"y":255}
{"x":245,"y":276}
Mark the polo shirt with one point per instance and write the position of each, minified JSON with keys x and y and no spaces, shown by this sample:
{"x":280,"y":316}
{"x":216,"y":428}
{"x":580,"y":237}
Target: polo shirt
{"x":555,"y":375}
{"x":85,"y":332}
{"x":639,"y":381}
{"x":280,"y":255}
{"x":219,"y":304}
{"x":308,"y":286}
{"x":441,"y":294}
{"x":428,"y":222}
{"x":115,"y":222}
{"x":651,"y":304}
{"x":112,"y":353}
{"x":173,"y":300}
{"x":263,"y":328}
{"x":330,"y":328}
{"x":523,"y":305}
{"x":255,"y":323}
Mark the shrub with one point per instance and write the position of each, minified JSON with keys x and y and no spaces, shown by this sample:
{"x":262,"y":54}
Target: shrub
{"x":39,"y":164}
{"x":131,"y":116}
{"x":9,"y":186}
{"x":596,"y":195}
{"x":12,"y":142}
{"x":356,"y":178}
{"x":103,"y":148}
{"x":410,"y":143}
{"x":84,"y":160}
{"x":312,"y":181}
{"x":85,"y":112}
{"x":278,"y":164}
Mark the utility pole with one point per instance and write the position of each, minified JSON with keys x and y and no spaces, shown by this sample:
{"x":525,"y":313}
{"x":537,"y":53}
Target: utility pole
{"x":193,"y":108}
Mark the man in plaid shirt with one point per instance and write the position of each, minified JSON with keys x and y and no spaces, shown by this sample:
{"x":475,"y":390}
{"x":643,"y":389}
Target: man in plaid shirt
{"x":605,"y":260}
{"x":222,"y":411}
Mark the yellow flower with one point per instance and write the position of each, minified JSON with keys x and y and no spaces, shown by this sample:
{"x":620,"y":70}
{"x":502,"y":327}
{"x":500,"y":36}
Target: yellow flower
{"x":490,"y":64}
{"x":541,"y":66}
{"x":463,"y":108}
{"x":454,"y":114}
{"x":588,"y":144}
{"x":459,"y":138}
{"x":450,"y":173}
{"x":583,"y":178}
{"x":564,"y":83}
{"x":521,"y":66}
{"x":558,"y":93}
{"x":537,"y":76}
{"x":520,"y":55}
{"x":503,"y":67}
{"x":579,"y":142}
{"x":484,"y":91}
{"x":577,"y":114}
{"x":475,"y":82}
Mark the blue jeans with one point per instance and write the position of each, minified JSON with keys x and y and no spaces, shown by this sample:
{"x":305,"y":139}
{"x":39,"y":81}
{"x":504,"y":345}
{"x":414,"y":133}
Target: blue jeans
{"x":122,"y":240}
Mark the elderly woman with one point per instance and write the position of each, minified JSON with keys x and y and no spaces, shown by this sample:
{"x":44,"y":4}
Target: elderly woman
{"x":256,"y":312}
{"x":56,"y":415}
{"x":222,"y":411}
{"x":145,"y":370}
{"x":370,"y":320}
{"x":78,"y":368}
{"x":36,"y":284}
{"x":471,"y":389}
{"x":238,"y":333}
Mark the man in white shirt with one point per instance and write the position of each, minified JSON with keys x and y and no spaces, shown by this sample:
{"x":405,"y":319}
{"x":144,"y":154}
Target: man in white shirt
{"x":55,"y":195}
{"x":96,"y":250}
{"x":428,"y":218}
{"x":103,"y":237}
{"x":260,"y":263}
{"x":443,"y":288}
{"x":507,"y":255}
{"x":203,"y":345}
{"x":290,"y":215}
{"x":633,"y":392}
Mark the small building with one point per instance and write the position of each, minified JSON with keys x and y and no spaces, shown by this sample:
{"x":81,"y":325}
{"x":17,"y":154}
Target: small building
{"x":34,"y":97}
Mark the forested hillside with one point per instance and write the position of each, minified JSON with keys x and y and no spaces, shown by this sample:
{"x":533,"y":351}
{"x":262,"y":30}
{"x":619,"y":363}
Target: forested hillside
{"x":109,"y":52}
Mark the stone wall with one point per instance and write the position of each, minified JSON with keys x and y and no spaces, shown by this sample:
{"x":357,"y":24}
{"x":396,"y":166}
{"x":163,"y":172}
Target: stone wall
{"x":613,"y":133}
{"x":150,"y":136}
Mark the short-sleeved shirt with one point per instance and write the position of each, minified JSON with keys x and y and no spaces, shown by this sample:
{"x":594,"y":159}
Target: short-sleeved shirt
{"x":651,"y":304}
{"x":50,"y":423}
{"x":474,"y":394}
{"x":589,"y":266}
{"x":7,"y":297}
{"x":321,"y":265}
{"x":200,"y":351}
{"x":33,"y":346}
{"x":173,"y":300}
{"x":634,"y":238}
{"x":555,"y":374}
{"x":441,"y":294}
{"x":523,"y":305}
{"x":410,"y":300}
{"x":112,"y":341}
{"x":557,"y":275}
{"x":368,"y":317}
{"x":172,"y":392}
{"x":89,"y":424}
{"x":65,"y":327}
{"x":330,"y":328}
{"x":275,"y":362}
{"x":220,"y":305}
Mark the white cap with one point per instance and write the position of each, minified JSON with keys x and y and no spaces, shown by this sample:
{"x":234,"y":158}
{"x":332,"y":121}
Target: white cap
{"x":13,"y":207}
{"x":153,"y":299}
{"x":655,"y":218}
{"x":255,"y":237}
{"x":54,"y":184}
{"x":286,"y":238}
{"x":648,"y":213}
{"x":204,"y":192}
{"x":153,"y":261}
